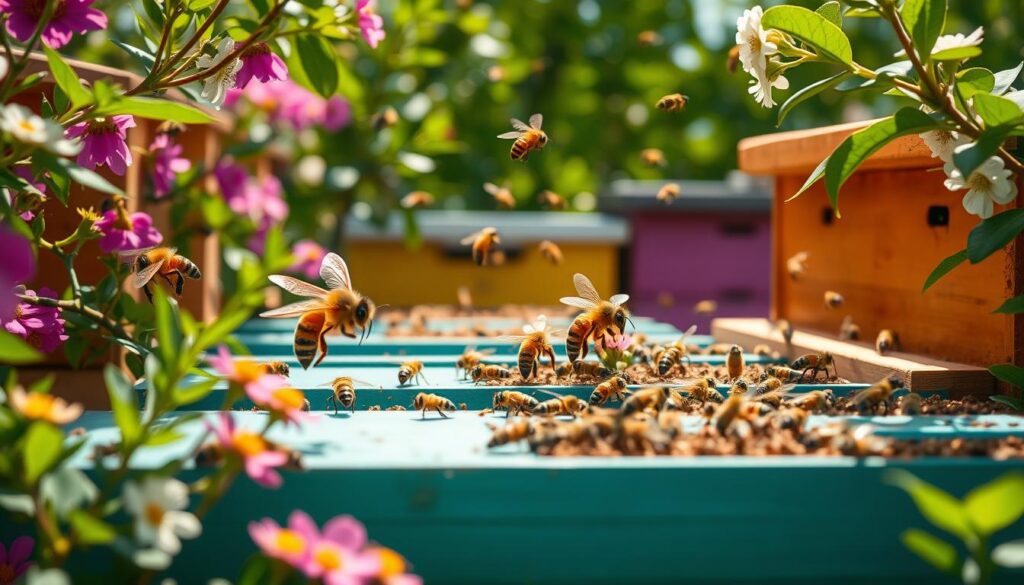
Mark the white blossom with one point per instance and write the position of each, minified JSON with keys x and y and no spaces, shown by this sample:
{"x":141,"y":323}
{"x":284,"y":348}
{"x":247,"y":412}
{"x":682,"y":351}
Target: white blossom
{"x":158,"y":505}
{"x":958,"y":40}
{"x":753,"y":43}
{"x":942,"y":143}
{"x":216,"y":86}
{"x":989,"y":183}
{"x":23,"y":125}
{"x":761,"y":88}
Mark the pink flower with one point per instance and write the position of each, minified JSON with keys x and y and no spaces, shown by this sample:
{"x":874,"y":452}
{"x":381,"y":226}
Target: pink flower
{"x":370,"y":23}
{"x":14,"y":562}
{"x":104,"y":141}
{"x":292,"y":544}
{"x":308,"y":255}
{"x":289,"y":104}
{"x":69,"y":17}
{"x":259,"y":457}
{"x":268,"y":391}
{"x":337,"y":114}
{"x":41,"y":327}
{"x":338,"y":558}
{"x":231,"y":178}
{"x":18,"y":267}
{"x":167,"y":163}
{"x":263,"y":201}
{"x":620,"y":342}
{"x":123,"y":232}
{"x":259,"y":62}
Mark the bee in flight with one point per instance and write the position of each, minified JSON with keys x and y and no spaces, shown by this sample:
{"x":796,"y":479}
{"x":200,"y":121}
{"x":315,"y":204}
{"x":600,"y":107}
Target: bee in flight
{"x":417,"y":199}
{"x":532,"y":346}
{"x":338,"y":308}
{"x":668,"y":193}
{"x":653,"y":157}
{"x":673,"y":102}
{"x":483,"y":243}
{"x":526,"y":138}
{"x":502,"y":195}
{"x":148,"y":263}
{"x":797,"y":264}
{"x":600,"y":317}
{"x":551,"y":252}
{"x":551,"y":200}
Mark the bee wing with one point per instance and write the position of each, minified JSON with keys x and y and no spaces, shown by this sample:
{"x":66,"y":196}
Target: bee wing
{"x":555,"y":394}
{"x":687,"y":333}
{"x":296,"y":286}
{"x":334,"y":271}
{"x":510,"y":135}
{"x":470,"y":238}
{"x":492,"y":188}
{"x":512,"y":338}
{"x":618,"y":299}
{"x":536,"y":121}
{"x":519,"y":125}
{"x":365,"y":383}
{"x":295,"y":309}
{"x":577,"y":302}
{"x":141,"y":277}
{"x":585,"y":288}
{"x":139,"y":251}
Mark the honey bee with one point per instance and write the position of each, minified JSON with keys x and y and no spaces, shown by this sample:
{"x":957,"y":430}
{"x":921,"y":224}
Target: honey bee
{"x":338,"y":308}
{"x":470,"y":359}
{"x":703,"y":390}
{"x":734,"y":362}
{"x":424,"y":402}
{"x":772,"y":392}
{"x":849,"y":331}
{"x":673,"y":102}
{"x":343,"y":392}
{"x":532,"y":346}
{"x":786,"y":329}
{"x":411,"y":371}
{"x":886,"y":341}
{"x":728,"y":412}
{"x":580,"y":367}
{"x":911,"y":403}
{"x":166,"y":263}
{"x":814,"y":363}
{"x":784,"y":373}
{"x":653,"y":157}
{"x":599,"y":318}
{"x":732,"y":62}
{"x":559,"y":405}
{"x":385,"y":118}
{"x":512,"y":432}
{"x":793,"y":418}
{"x":668,"y":193}
{"x":614,"y":387}
{"x":796,"y":264}
{"x":564,"y":369}
{"x":650,"y":398}
{"x":551,"y":252}
{"x":489,"y":372}
{"x":513,"y":402}
{"x":395,"y":408}
{"x":551,"y":200}
{"x":833,"y":300}
{"x":705,"y":307}
{"x":880,"y":393}
{"x":738,"y":387}
{"x":527,"y":138}
{"x":675,"y":353}
{"x":648,"y":37}
{"x":815,"y":401}
{"x":483,"y":243}
{"x":276,"y":367}
{"x":417,"y":199}
{"x":502,"y":195}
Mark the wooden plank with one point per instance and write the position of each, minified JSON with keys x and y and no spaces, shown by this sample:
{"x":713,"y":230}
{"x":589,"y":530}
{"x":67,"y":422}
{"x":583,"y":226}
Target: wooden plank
{"x":858,"y":361}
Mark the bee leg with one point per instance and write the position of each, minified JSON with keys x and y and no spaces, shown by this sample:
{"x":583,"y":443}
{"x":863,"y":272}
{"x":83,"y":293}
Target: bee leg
{"x":423,"y":414}
{"x":179,"y":286}
{"x":441,"y":412}
{"x":149,"y":293}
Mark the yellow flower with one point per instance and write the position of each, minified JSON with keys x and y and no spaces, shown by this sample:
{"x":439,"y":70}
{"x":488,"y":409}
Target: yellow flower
{"x":40,"y":406}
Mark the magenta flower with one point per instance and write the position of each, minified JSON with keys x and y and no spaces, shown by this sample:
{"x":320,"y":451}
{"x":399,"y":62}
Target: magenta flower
{"x":263,"y":201}
{"x":231,"y":179}
{"x":104,"y":141}
{"x":337,"y":114}
{"x":70,"y":17}
{"x":259,"y":62}
{"x":370,"y":23}
{"x":18,"y":267}
{"x":41,"y":327}
{"x":123,"y":232}
{"x":167,"y":163}
{"x":308,"y":255}
{"x":291,"y":105}
{"x":619,"y":342}
{"x":259,"y":457}
{"x":14,"y":562}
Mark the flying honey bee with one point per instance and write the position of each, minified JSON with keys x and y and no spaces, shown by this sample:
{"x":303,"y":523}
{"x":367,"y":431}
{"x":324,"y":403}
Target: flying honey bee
{"x":166,"y":263}
{"x":424,"y":402}
{"x":668,"y":193}
{"x":338,"y":308}
{"x":502,"y":195}
{"x":276,"y":367}
{"x":343,"y":392}
{"x":513,"y":402}
{"x":483,"y":373}
{"x":551,"y":200}
{"x":650,"y":398}
{"x":673,"y":102}
{"x":705,"y":307}
{"x":733,"y":61}
{"x":411,"y":371}
{"x":527,"y":138}
{"x":880,"y":393}
{"x":512,"y":432}
{"x":551,"y":252}
{"x":796,"y":264}
{"x":848,"y":330}
{"x":417,"y":199}
{"x":599,"y":318}
{"x":532,"y":346}
{"x":653,"y":157}
{"x":385,"y":118}
{"x":734,"y":362}
{"x":605,"y":391}
{"x":568,"y":405}
{"x":648,"y":37}
{"x":886,"y":341}
{"x":833,"y":300}
{"x":470,"y":359}
{"x":483,"y":243}
{"x":814,"y":363}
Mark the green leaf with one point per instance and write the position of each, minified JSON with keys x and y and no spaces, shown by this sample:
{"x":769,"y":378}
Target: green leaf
{"x":956,"y":54}
{"x":90,"y":529}
{"x":969,"y":157}
{"x":195,"y":392}
{"x":122,"y":403}
{"x":937,"y":506}
{"x":944,"y":268}
{"x":932,"y":550}
{"x":1014,"y":403}
{"x":1009,"y":554}
{"x":924,"y":20}
{"x":997,"y":504}
{"x":813,"y":29}
{"x":832,"y":12}
{"x":975,"y":80}
{"x":197,"y":5}
{"x":67,"y":79}
{"x":865,"y":12}
{"x":144,"y":58}
{"x":157,"y":109}
{"x":87,"y":178}
{"x":992,"y":234}
{"x":884,"y":77}
{"x":858,"y":146}
{"x":67,"y":489}
{"x":1010,"y":306}
{"x":319,"y":64}
{"x":43,"y":444}
{"x":15,"y":351}
{"x":816,"y":174}
{"x":997,"y":111}
{"x":1005,"y":79}
{"x":810,"y":91}
{"x":256,"y":570}
{"x":1009,"y":373}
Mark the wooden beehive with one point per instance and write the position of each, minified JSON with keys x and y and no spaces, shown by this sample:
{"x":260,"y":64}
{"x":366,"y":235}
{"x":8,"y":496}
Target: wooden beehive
{"x":878,"y":254}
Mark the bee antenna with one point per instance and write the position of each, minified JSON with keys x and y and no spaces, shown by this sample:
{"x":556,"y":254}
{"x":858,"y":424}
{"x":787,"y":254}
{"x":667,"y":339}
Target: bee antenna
{"x":631,"y":323}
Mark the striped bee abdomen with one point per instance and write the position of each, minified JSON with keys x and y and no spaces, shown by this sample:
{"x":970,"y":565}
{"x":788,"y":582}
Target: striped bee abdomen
{"x":527,"y":360}
{"x":519,"y":149}
{"x":308,"y":336}
{"x":576,"y":338}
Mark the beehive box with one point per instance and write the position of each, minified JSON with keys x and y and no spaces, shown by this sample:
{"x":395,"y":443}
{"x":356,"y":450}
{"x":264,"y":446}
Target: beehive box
{"x":898,"y":222}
